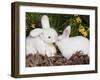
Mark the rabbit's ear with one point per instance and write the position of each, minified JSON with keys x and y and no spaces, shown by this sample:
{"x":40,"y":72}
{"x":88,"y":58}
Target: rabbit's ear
{"x":67,"y":31}
{"x":36,"y":32}
{"x":45,"y":21}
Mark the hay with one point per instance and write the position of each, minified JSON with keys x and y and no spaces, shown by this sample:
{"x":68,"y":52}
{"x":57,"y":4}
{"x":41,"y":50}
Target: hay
{"x":57,"y":60}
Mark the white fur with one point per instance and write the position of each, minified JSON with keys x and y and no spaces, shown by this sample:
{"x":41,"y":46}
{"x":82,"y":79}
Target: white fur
{"x":69,"y":45}
{"x":38,"y":41}
{"x":45,"y":21}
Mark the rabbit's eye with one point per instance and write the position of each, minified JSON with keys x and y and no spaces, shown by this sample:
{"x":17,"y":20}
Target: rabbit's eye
{"x":49,"y":37}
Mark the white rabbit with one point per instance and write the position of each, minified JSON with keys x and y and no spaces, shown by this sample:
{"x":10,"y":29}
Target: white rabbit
{"x":41,"y":40}
{"x":69,"y":45}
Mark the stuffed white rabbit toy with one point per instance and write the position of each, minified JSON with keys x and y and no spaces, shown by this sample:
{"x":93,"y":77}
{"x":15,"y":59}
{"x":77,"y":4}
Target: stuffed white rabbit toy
{"x":69,"y":45}
{"x":41,"y":40}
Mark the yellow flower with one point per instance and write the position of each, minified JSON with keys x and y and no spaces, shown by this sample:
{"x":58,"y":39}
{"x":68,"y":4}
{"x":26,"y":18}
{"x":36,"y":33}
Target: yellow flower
{"x":78,"y":19}
{"x":81,"y":29}
{"x":85,"y":33}
{"x":33,"y":25}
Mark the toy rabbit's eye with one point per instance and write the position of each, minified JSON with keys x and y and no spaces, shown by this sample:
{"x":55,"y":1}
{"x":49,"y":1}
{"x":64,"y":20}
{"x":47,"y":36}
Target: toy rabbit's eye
{"x":49,"y":37}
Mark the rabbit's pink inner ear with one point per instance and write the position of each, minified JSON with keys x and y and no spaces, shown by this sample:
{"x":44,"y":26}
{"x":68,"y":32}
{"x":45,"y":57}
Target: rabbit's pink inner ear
{"x":67,"y":31}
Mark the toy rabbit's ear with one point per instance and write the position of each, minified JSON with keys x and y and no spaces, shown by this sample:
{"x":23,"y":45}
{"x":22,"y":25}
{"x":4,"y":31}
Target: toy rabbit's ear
{"x":67,"y":31}
{"x":45,"y":21}
{"x":36,"y":32}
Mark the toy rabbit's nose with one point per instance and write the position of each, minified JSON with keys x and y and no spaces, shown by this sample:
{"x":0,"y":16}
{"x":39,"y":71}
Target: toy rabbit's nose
{"x":54,"y":44}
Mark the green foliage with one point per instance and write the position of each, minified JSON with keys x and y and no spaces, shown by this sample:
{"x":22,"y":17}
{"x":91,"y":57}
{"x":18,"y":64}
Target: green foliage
{"x":79,"y":23}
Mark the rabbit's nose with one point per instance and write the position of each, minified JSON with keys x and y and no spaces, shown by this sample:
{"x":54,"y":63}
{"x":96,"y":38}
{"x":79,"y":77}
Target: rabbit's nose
{"x":54,"y":44}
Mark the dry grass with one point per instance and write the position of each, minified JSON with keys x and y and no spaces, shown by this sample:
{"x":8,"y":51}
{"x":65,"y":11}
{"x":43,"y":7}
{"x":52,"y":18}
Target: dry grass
{"x":57,"y":60}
